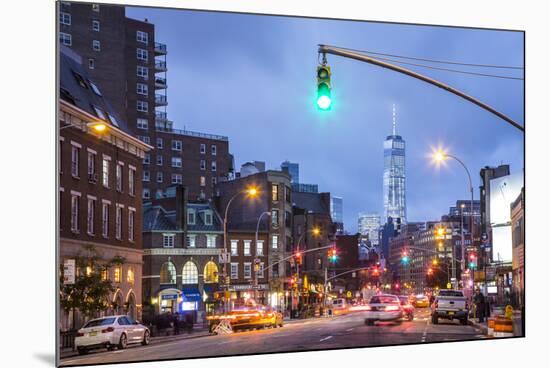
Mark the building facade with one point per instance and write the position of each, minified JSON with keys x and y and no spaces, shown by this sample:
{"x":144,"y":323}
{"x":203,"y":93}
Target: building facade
{"x":517,"y":209}
{"x":99,"y":189}
{"x":369,"y":224}
{"x":337,"y":213}
{"x":395,"y":204}
{"x":293,"y":169}
{"x":274,"y":197}
{"x":182,"y":245}
{"x":122,"y":54}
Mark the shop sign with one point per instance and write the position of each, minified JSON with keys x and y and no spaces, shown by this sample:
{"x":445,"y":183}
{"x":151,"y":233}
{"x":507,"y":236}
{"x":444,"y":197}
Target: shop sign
{"x":69,"y":267}
{"x":169,"y":297}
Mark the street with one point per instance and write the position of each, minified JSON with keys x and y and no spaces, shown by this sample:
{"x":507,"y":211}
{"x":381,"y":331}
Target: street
{"x":314,"y":334}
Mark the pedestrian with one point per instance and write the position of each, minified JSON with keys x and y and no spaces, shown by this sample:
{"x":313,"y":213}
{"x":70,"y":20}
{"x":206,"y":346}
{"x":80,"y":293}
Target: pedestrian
{"x":479,"y":301}
{"x":189,"y":322}
{"x":176,"y":322}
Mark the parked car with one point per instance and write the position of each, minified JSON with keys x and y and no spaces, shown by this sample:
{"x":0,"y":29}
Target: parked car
{"x":450,"y":304}
{"x":408,"y":309}
{"x":386,"y":308}
{"x":110,"y":332}
{"x":248,"y":317}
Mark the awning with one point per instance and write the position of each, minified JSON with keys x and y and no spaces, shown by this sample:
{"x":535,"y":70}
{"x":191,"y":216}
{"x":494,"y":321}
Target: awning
{"x":190,"y":294}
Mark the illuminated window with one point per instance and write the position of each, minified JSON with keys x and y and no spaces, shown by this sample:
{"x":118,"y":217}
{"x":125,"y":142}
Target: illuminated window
{"x":88,"y":270}
{"x":104,"y":274}
{"x":210,"y":273}
{"x":274,"y":192}
{"x":246,"y":247}
{"x":275,"y":241}
{"x":190,"y":274}
{"x":168,"y":273}
{"x":130,"y":275}
{"x":118,"y":274}
{"x":234,"y":245}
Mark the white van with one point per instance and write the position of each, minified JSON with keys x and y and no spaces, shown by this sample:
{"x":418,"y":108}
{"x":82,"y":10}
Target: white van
{"x":339,"y":306}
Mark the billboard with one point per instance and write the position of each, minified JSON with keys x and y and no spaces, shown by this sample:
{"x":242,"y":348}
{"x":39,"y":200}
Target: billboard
{"x":504,"y":191}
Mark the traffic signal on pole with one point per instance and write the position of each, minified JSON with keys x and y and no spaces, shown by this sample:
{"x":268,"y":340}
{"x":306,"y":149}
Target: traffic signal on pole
{"x":472,"y":260}
{"x":405,"y":257}
{"x":333,"y":255}
{"x":324,"y":98}
{"x":430,"y":271}
{"x":298,"y":258}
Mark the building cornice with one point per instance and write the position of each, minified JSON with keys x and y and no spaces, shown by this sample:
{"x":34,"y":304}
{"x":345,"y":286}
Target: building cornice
{"x":182,"y":252}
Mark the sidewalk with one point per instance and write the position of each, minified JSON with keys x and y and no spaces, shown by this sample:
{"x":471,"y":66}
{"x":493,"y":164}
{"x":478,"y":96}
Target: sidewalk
{"x":516,"y":320}
{"x":197,"y":332}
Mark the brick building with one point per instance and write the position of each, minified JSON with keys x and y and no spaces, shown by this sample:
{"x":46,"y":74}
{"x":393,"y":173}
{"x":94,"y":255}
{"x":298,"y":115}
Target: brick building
{"x":517,"y":209}
{"x":182,"y":243}
{"x":274,"y":196}
{"x":99,"y":186}
{"x":122,"y":54}
{"x":311,"y":211}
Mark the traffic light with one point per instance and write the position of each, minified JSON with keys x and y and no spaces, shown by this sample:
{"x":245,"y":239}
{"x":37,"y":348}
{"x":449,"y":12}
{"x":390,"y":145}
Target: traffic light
{"x":472,"y":260}
{"x":430,"y":271}
{"x":333,"y":255}
{"x":298,"y":258}
{"x":404,"y":257}
{"x":376,"y":272}
{"x":324,"y":99}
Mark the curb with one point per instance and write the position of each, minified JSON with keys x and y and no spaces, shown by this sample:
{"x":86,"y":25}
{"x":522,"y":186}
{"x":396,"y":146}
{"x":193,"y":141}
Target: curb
{"x":155,"y":340}
{"x":484,"y":329}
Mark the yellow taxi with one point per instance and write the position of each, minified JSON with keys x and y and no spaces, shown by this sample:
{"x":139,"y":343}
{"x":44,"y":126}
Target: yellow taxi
{"x":245,"y":317}
{"x":421,"y":301}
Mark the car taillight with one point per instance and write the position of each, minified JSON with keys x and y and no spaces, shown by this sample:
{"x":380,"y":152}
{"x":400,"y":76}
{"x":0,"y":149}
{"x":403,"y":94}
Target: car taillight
{"x":392,"y":308}
{"x":79,"y":334}
{"x":108,"y":329}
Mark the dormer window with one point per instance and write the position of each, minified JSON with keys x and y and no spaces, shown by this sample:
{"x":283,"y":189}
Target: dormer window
{"x":191,"y":217}
{"x":208,"y":218}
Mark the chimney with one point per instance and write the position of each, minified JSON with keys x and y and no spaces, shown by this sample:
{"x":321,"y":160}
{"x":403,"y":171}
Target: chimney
{"x":181,"y":206}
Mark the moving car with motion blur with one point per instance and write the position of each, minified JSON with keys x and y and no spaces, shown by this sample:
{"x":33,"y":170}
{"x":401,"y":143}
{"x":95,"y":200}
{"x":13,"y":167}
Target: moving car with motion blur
{"x":111,"y":332}
{"x":421,"y":301}
{"x":340,"y":306}
{"x":408,"y":309}
{"x":251,"y":316}
{"x":383,"y":308}
{"x":450,"y":304}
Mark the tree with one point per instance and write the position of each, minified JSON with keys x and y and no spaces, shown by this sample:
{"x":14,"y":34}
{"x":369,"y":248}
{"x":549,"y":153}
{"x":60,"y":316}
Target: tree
{"x":90,"y":292}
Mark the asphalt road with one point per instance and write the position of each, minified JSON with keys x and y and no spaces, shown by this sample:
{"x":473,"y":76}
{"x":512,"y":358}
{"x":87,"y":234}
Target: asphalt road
{"x":317,"y":334}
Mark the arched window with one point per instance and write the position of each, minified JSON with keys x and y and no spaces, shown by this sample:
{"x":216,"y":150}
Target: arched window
{"x":210,"y":273}
{"x":190,"y":274}
{"x":168,"y":273}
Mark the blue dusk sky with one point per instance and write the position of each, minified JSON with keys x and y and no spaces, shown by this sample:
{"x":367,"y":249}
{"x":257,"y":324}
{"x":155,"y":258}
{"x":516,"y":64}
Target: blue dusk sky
{"x":252,"y":78}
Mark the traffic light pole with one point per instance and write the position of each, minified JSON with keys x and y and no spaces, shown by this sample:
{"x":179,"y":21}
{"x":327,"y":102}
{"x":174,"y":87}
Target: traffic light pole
{"x":256,"y":259}
{"x":326,"y":49}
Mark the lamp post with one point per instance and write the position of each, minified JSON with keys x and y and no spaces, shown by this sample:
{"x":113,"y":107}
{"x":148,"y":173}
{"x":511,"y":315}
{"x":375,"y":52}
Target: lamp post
{"x":251,"y":192}
{"x":256,"y":259}
{"x":439,"y":156}
{"x":98,"y":126}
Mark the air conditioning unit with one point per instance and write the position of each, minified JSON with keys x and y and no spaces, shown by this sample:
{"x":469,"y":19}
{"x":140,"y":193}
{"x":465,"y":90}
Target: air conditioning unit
{"x":92,"y":177}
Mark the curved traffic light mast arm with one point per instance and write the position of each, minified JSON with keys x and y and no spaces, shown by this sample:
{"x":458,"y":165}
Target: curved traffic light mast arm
{"x":350,"y":271}
{"x":325,"y":49}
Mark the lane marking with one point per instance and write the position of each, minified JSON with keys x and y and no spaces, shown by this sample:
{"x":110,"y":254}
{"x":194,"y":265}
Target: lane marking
{"x":325,"y":338}
{"x":350,"y":329}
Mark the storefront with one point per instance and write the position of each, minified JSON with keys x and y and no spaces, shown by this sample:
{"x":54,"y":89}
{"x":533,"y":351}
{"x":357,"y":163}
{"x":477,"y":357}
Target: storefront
{"x":190,"y":301}
{"x":168,"y":300}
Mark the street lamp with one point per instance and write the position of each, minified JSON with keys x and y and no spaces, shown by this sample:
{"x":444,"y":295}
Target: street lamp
{"x":98,"y":126}
{"x":439,"y":156}
{"x":250,"y":192}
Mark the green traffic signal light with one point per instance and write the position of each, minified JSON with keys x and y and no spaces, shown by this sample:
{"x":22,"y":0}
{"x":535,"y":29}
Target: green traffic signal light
{"x":324,"y":100}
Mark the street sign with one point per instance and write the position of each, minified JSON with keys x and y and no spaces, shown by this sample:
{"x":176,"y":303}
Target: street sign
{"x":69,"y":267}
{"x":449,"y":285}
{"x":348,"y":294}
{"x":224,"y":257}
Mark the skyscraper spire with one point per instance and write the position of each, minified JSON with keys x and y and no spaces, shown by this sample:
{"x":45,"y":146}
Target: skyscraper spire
{"x":393,"y":113}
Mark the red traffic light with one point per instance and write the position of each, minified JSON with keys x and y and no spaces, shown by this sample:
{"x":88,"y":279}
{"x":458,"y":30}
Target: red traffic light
{"x":472,"y":256}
